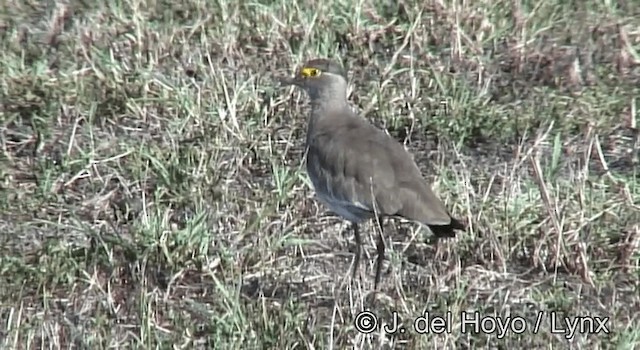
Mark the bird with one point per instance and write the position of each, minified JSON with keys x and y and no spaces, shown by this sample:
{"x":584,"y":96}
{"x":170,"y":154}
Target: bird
{"x":357,"y":170}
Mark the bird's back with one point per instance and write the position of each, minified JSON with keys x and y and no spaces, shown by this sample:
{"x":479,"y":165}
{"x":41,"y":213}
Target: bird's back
{"x":351,"y":161}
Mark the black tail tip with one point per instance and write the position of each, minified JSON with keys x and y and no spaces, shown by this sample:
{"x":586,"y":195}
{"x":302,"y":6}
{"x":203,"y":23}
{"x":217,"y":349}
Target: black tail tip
{"x":441,"y":231}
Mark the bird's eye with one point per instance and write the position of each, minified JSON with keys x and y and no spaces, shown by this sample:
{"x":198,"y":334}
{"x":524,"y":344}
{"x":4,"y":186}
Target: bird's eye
{"x":309,"y":72}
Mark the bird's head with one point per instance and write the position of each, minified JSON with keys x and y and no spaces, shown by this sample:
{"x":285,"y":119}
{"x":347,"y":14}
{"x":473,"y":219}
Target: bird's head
{"x":320,"y":78}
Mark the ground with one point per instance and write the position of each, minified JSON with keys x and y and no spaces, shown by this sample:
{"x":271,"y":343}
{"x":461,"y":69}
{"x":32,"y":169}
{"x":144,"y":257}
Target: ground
{"x":153,"y":193}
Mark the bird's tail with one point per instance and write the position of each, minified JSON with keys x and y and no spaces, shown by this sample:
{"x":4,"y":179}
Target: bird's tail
{"x":447,"y":230}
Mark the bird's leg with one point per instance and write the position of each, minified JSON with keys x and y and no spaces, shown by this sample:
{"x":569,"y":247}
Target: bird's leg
{"x":381,"y":249}
{"x":356,"y":258}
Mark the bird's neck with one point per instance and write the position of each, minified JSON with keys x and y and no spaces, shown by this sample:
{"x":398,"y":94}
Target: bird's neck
{"x":321,"y":113}
{"x":328,"y":100}
{"x":333,"y":97}
{"x":320,"y":109}
{"x":324,"y":106}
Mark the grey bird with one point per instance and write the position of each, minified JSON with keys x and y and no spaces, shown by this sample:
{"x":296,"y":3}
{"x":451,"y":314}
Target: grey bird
{"x":356,"y":169}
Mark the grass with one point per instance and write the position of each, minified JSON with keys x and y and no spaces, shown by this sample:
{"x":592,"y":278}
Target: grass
{"x":153,"y":196}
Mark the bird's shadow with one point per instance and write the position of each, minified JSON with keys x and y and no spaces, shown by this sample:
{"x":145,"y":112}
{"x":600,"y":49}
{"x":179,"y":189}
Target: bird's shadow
{"x":421,"y":256}
{"x":282,"y":289}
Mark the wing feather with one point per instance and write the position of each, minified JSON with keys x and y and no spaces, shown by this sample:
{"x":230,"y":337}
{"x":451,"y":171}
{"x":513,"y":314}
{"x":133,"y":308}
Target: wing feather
{"x":356,"y":162}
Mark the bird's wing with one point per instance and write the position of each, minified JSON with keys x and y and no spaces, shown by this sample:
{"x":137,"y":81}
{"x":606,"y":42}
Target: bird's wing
{"x":353,"y":167}
{"x":360,"y":162}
